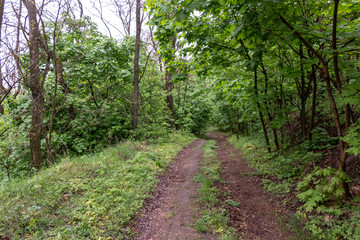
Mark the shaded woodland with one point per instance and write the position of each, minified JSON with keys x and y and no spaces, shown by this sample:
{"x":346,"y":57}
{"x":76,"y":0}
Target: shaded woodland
{"x":284,"y":72}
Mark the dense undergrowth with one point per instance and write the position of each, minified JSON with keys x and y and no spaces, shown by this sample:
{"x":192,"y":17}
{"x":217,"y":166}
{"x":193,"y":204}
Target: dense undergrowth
{"x":89,"y":197}
{"x":214,"y":217}
{"x":318,"y":190}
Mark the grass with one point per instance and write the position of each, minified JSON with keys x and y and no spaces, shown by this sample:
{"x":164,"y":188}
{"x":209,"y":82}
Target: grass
{"x":90,"y":197}
{"x":214,"y":217}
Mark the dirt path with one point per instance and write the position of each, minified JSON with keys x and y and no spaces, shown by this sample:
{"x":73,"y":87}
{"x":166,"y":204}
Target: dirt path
{"x":169,"y":214}
{"x":256,"y":217}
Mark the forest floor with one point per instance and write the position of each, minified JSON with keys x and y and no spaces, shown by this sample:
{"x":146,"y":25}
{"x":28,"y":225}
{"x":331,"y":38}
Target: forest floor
{"x":172,"y":210}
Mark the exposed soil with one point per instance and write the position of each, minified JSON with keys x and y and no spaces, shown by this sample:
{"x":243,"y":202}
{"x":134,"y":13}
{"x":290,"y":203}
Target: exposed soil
{"x":171,"y":211}
{"x":169,"y":214}
{"x":257,"y":217}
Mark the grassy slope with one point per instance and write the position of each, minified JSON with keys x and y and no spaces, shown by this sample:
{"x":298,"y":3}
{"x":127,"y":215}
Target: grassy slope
{"x":91,"y":197}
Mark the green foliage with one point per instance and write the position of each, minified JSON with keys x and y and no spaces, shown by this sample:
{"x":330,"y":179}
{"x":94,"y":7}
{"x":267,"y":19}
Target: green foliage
{"x":321,"y":186}
{"x":215,"y":219}
{"x":232,"y":203}
{"x":196,"y":113}
{"x":334,"y":223}
{"x":353,"y":139}
{"x":238,"y":43}
{"x":277,"y":188}
{"x":97,"y":70}
{"x":320,"y":140}
{"x":321,"y":192}
{"x":90,"y":107}
{"x":90,"y":197}
{"x":14,"y":146}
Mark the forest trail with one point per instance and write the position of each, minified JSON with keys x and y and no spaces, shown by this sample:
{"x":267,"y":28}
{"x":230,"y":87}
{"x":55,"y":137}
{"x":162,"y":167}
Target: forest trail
{"x":171,"y":211}
{"x":169,"y":214}
{"x":256,"y":217}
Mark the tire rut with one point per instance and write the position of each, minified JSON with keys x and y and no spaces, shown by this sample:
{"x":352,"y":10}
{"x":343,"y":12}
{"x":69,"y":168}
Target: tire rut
{"x":255,"y":217}
{"x":170,"y":213}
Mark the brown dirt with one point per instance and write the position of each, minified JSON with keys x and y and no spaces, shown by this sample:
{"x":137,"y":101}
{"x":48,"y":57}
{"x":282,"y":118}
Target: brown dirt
{"x":171,"y":211}
{"x":256,"y":217}
{"x":169,"y":214}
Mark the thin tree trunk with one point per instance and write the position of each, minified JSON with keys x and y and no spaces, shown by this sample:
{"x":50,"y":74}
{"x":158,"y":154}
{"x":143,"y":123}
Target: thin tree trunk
{"x":136,"y":66}
{"x":36,"y":87}
{"x":49,"y":138}
{"x":260,"y":114}
{"x":276,"y":142}
{"x":313,"y":104}
{"x":303,"y":95}
{"x":169,"y":86}
{"x":343,"y":145}
{"x":169,"y":97}
{"x":81,"y":8}
{"x":2,"y":89}
{"x":246,"y":129}
{"x":186,"y":85}
{"x":237,"y":123}
{"x":178,"y":106}
{"x":143,"y":108}
{"x":150,"y":97}
{"x":2,"y":4}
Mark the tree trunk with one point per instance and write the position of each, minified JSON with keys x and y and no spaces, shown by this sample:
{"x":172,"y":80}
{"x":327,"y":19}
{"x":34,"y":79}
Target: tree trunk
{"x":136,"y":67}
{"x":261,"y":115}
{"x":2,"y":89}
{"x":53,"y":107}
{"x":343,"y":145}
{"x":36,"y":86}
{"x":169,"y":86}
{"x":169,"y":97}
{"x":313,"y":104}
{"x":276,"y":142}
{"x":237,"y":123}
{"x":303,"y":93}
{"x":150,"y":95}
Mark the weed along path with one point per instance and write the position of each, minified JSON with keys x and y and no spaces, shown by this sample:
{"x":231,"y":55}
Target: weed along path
{"x":169,"y":214}
{"x":255,"y":217}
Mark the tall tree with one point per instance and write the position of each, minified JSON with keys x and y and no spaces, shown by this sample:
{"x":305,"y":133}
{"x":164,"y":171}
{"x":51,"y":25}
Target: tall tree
{"x":136,"y":65}
{"x":2,"y":3}
{"x":169,"y":86}
{"x":36,"y":86}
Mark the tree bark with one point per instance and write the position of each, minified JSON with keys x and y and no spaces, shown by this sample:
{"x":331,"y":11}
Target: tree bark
{"x":276,"y":141}
{"x":237,"y":123}
{"x":2,"y":89}
{"x":136,"y":67}
{"x":313,"y":103}
{"x":261,"y":115}
{"x":303,"y":95}
{"x":343,"y":145}
{"x":36,"y":86}
{"x":169,"y":86}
